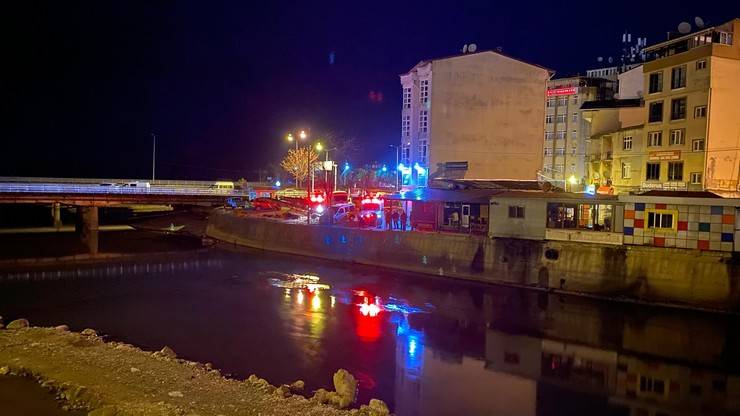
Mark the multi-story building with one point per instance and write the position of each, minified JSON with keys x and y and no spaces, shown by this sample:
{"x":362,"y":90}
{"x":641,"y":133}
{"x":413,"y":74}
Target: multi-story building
{"x":472,"y":116}
{"x":565,"y":129}
{"x":692,"y":111}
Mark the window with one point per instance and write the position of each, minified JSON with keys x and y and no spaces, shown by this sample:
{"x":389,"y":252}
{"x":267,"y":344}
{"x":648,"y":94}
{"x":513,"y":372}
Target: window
{"x":559,"y":168}
{"x":406,"y":155}
{"x":677,"y":136}
{"x":560,"y":151}
{"x":550,"y":102}
{"x":697,"y":145}
{"x":424,"y":91}
{"x":701,"y":64}
{"x":561,"y":134}
{"x":575,"y":99}
{"x":656,"y":82}
{"x":656,"y":112}
{"x":725,"y":38}
{"x":549,"y":119}
{"x":655,"y":138}
{"x":659,"y":219}
{"x":423,"y":121}
{"x":652,"y":385}
{"x":696,"y":178}
{"x":406,"y":126}
{"x":574,"y":134}
{"x":678,"y":108}
{"x":548,"y":151}
{"x":678,"y":77}
{"x":407,"y":98}
{"x":516,"y":211}
{"x":423,"y":147}
{"x":572,"y":168}
{"x":561,"y":118}
{"x":549,"y":135}
{"x":652,"y":171}
{"x":575,"y":117}
{"x":547,"y":168}
{"x":588,"y":216}
{"x":627,"y":143}
{"x":675,"y":171}
{"x":563,"y":101}
{"x":700,"y":111}
{"x":626,"y":170}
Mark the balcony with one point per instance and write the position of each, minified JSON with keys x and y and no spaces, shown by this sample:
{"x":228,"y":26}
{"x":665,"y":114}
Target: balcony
{"x":606,"y":156}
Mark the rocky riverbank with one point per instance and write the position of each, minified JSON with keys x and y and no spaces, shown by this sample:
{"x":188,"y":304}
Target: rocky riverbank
{"x":115,"y":379}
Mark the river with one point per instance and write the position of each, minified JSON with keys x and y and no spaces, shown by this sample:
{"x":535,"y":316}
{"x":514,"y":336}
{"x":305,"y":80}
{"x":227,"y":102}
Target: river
{"x":425,"y":345}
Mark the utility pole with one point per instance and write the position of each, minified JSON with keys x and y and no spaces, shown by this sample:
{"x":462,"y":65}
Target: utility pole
{"x":154,"y":153}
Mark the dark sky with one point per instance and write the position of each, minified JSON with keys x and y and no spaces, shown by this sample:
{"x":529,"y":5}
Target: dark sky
{"x":85,"y":83}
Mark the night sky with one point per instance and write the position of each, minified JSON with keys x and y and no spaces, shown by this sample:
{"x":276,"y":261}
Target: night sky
{"x":86,"y":83}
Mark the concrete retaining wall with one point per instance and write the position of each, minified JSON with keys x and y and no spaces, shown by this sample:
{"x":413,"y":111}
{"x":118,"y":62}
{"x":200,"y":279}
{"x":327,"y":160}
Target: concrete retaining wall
{"x":705,"y":279}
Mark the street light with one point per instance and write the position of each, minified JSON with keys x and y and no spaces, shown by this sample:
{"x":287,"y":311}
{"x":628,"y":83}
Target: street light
{"x":303,"y":135}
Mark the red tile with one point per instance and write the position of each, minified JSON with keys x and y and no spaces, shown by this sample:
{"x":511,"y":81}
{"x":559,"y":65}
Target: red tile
{"x":639,"y":223}
{"x":683,"y":225}
{"x":659,"y":241}
{"x":660,"y":206}
{"x":728,"y":219}
{"x":702,"y":244}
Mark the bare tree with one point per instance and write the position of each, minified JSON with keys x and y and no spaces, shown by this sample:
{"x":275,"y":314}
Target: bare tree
{"x":298,"y":163}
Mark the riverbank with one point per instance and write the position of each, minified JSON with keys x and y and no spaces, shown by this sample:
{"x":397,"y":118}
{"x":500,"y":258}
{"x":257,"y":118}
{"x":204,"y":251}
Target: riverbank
{"x":112,"y":378}
{"x":676,"y":277}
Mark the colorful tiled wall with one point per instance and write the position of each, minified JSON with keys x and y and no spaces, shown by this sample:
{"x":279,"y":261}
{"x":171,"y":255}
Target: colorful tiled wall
{"x":698,"y":227}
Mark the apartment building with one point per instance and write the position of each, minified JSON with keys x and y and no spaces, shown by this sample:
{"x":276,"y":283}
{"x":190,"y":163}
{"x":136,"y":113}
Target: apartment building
{"x":566,"y":131}
{"x":692,"y":112}
{"x":472,"y":116}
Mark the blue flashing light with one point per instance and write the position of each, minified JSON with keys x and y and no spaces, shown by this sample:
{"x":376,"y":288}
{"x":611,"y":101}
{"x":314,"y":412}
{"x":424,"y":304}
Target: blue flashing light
{"x":346,"y":166}
{"x":401,"y":166}
{"x":384,"y":169}
{"x":277,"y":183}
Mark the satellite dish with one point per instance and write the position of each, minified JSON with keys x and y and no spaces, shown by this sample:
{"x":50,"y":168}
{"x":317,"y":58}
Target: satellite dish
{"x":610,"y":59}
{"x":600,"y":59}
{"x":699,"y":22}
{"x":472,"y":47}
{"x":684,"y":28}
{"x":465,"y":48}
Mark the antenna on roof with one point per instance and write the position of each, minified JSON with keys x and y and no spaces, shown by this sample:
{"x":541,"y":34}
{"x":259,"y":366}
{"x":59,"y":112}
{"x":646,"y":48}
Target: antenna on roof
{"x":600,"y":59}
{"x":684,"y":28}
{"x":465,"y":48}
{"x":610,"y":60}
{"x":699,"y":22}
{"x":472,"y":47}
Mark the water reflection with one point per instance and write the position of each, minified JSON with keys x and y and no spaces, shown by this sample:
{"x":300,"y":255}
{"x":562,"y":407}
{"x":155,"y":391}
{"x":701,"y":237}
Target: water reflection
{"x":425,"y":346}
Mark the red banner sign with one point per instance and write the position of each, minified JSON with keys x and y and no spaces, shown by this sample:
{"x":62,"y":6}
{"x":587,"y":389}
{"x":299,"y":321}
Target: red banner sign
{"x":665,"y":155}
{"x":554,"y":92}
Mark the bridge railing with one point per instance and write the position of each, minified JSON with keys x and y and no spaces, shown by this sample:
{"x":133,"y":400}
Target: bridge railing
{"x":58,"y":188}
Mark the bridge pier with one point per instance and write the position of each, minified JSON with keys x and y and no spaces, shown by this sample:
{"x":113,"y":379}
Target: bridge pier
{"x":87,"y":227}
{"x":56,"y":214}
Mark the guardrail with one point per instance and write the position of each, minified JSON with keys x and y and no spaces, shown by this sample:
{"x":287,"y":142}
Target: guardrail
{"x":111,"y":190}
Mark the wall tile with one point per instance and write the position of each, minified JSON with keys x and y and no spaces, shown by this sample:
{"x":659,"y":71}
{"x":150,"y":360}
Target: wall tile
{"x":629,"y":214}
{"x":629,"y":230}
{"x":715,"y":228}
{"x":648,"y":241}
{"x":639,"y":215}
{"x":683,"y":216}
{"x":683,"y":208}
{"x":715,"y":245}
{"x":727,"y":246}
{"x":715,"y":236}
{"x":716,"y":219}
{"x":727,"y":228}
{"x":705,"y":218}
{"x":693,"y":209}
{"x":693,"y":226}
{"x":638,"y":231}
{"x":728,"y":210}
{"x":670,"y":242}
{"x":691,"y":244}
{"x":681,"y":235}
{"x":681,"y":243}
{"x":726,"y":237}
{"x":630,"y":206}
{"x":728,"y":219}
{"x":703,"y":235}
{"x":704,"y":209}
{"x":715,"y":210}
{"x":702,"y":244}
{"x":692,"y":235}
{"x":628,"y":222}
{"x":628,"y":239}
{"x":693,"y":216}
{"x":705,"y":226}
{"x":639,"y":206}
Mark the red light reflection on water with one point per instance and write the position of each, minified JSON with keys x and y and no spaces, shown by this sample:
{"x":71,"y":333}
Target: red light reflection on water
{"x":368,"y":322}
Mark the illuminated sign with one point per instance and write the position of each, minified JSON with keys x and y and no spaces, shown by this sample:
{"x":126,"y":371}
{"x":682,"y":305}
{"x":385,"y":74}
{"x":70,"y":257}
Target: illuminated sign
{"x":665,"y":155}
{"x":554,"y":92}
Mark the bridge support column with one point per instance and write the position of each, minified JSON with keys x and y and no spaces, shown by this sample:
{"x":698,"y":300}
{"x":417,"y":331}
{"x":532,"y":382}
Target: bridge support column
{"x":87,"y":227}
{"x":56,"y":214}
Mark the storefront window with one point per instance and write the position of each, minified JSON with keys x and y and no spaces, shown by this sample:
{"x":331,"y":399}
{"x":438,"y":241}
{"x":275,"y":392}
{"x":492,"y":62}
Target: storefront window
{"x":593,"y":217}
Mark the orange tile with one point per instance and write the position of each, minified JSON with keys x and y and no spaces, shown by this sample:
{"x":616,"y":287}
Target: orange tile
{"x":629,"y":214}
{"x":728,"y":219}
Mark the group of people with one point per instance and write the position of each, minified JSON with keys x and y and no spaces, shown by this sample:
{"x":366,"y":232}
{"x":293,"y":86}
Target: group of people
{"x":395,"y":220}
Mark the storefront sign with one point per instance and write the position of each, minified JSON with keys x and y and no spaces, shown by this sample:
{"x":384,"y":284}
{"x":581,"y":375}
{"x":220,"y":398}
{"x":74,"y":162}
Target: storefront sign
{"x":666,"y":186}
{"x":665,"y":155}
{"x":554,"y":92}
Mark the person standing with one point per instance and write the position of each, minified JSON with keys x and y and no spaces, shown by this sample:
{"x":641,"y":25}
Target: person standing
{"x":387,"y":217}
{"x":403,"y":219}
{"x":395,"y":219}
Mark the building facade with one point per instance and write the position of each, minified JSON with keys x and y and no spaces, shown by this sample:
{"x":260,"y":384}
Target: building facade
{"x":566,"y":132}
{"x":472,"y":116}
{"x":692,"y":111}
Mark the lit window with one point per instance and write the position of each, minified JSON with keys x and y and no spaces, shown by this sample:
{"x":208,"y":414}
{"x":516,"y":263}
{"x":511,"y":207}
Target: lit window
{"x":652,"y":385}
{"x":563,"y":101}
{"x":677,"y":136}
{"x":560,"y":151}
{"x":697,"y":145}
{"x":559,"y":168}
{"x":575,"y":99}
{"x":652,"y":171}
{"x":675,"y":171}
{"x":423,"y":149}
{"x":659,"y":219}
{"x":516,"y":211}
{"x":406,"y":126}
{"x":627,"y":143}
{"x":700,"y":111}
{"x":550,"y":102}
{"x":561,"y":134}
{"x":701,"y":64}
{"x":725,"y":38}
{"x":696,"y":178}
{"x":626,"y":170}
{"x":655,"y":138}
{"x":548,"y":151}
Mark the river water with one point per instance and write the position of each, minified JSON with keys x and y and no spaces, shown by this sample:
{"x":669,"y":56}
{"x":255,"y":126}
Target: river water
{"x":425,"y":345}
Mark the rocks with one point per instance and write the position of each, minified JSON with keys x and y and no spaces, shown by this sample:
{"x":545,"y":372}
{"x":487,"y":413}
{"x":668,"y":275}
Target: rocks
{"x":282,"y":391}
{"x":166,"y":352}
{"x":209,"y":367}
{"x":104,"y":411}
{"x":320,"y":396}
{"x":297,"y":386}
{"x":346,"y":386}
{"x":134,"y":370}
{"x":63,"y":328}
{"x":4,"y":370}
{"x":18,"y":324}
{"x":378,"y":408}
{"x":89,"y":332}
{"x":175,"y":394}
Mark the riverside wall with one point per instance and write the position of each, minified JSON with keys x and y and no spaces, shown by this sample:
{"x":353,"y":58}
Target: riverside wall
{"x":679,"y":276}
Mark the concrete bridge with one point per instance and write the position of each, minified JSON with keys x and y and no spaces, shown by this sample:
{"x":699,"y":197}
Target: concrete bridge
{"x":90,"y":194}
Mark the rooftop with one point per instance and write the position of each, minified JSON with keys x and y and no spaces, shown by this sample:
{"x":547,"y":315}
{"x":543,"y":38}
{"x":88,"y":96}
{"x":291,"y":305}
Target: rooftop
{"x":606,"y":104}
{"x":460,"y":55}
